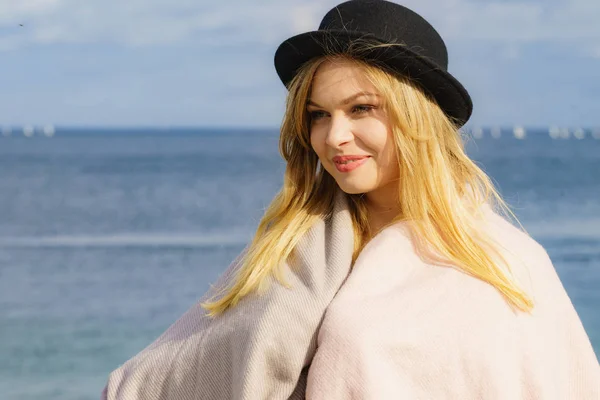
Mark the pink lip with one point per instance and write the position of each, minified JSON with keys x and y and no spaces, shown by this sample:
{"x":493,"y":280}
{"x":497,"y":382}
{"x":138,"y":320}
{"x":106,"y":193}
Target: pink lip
{"x":338,"y":159}
{"x":355,"y":162}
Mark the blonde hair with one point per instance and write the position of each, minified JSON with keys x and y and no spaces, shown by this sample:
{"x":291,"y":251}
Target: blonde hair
{"x":440,"y":188}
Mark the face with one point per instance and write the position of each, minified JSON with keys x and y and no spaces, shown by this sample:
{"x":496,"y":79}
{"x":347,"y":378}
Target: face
{"x":350,"y":132}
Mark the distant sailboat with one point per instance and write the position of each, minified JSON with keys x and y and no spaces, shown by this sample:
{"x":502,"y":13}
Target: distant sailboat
{"x":28,"y":130}
{"x":477,"y":132}
{"x":49,"y":130}
{"x":554,"y":132}
{"x":519,"y":132}
{"x":579,"y":133}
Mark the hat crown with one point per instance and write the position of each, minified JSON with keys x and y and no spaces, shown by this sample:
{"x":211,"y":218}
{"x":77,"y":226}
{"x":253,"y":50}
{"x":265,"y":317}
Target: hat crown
{"x":391,"y":23}
{"x":416,"y":50}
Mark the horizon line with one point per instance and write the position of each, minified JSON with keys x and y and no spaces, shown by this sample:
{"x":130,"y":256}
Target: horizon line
{"x":256,"y":128}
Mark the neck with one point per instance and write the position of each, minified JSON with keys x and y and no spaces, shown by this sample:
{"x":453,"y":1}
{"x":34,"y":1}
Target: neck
{"x":381,"y":210}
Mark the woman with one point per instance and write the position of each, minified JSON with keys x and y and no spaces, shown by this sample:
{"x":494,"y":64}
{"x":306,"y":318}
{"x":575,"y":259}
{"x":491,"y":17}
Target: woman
{"x":381,"y":270}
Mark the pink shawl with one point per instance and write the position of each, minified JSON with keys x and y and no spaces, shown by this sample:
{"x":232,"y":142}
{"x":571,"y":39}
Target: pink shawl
{"x":393,"y":327}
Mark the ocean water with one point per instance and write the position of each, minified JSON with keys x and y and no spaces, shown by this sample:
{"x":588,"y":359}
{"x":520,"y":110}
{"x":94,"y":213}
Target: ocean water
{"x":107,"y":237}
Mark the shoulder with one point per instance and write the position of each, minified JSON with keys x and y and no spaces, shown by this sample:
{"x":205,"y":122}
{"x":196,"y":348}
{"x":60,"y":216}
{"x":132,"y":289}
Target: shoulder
{"x":528,"y":260}
{"x":512,"y":238}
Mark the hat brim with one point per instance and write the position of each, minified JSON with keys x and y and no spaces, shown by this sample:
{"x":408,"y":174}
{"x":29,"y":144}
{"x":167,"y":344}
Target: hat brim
{"x":446,"y":90}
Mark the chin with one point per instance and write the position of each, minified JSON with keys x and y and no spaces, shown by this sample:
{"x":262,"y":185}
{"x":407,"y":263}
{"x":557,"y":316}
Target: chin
{"x":354,"y":184}
{"x":353,"y":189}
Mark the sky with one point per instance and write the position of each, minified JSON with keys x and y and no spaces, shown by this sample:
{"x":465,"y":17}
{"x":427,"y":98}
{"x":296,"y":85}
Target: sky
{"x":207,"y":63}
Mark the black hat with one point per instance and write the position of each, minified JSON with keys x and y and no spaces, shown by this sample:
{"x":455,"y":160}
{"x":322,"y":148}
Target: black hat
{"x":422,"y":56}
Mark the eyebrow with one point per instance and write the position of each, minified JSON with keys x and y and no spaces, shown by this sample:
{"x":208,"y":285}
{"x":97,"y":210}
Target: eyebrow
{"x":347,"y":100}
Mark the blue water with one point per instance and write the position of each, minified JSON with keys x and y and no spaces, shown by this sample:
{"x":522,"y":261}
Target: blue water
{"x":106,"y":238}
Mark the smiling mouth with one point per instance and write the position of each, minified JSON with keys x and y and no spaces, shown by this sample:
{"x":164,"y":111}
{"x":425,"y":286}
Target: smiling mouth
{"x":341,"y":160}
{"x":348,"y":161}
{"x":350,"y":164}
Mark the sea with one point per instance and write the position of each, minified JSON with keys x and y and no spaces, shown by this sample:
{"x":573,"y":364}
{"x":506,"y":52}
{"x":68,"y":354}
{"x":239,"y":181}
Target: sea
{"x":107,"y":236}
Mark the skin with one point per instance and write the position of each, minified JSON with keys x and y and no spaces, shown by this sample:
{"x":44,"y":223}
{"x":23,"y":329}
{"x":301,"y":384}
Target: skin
{"x":348,"y":118}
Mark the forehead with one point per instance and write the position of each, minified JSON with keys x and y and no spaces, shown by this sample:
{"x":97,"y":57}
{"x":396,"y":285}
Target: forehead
{"x":339,"y":78}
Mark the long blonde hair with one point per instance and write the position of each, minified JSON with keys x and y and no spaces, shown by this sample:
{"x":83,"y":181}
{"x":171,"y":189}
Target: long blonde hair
{"x":439,"y":189}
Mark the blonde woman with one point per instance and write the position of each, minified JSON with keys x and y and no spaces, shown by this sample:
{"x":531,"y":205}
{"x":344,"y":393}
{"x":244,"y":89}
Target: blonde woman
{"x":382,"y":269}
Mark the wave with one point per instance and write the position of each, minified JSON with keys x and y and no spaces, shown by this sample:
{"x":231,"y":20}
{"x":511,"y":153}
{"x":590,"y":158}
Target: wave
{"x":563,"y":229}
{"x":558,"y":229}
{"x":130,"y":240}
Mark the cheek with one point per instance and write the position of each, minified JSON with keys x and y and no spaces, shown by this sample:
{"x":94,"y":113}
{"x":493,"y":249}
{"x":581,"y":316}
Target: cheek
{"x":375,"y":136}
{"x":388,"y":151}
{"x":390,"y":162}
{"x":317,"y":141}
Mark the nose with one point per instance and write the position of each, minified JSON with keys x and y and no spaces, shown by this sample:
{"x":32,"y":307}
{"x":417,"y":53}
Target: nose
{"x":340,"y":131}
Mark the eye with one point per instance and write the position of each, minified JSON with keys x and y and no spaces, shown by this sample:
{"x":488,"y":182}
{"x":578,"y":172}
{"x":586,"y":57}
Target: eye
{"x":362,"y":109}
{"x":316,"y":115}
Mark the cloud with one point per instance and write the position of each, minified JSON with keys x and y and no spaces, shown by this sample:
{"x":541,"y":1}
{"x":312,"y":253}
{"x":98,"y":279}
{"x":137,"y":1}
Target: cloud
{"x":153,"y":22}
{"x":594,"y":51}
{"x":11,"y":9}
{"x":534,"y":22}
{"x":114,"y":61}
{"x":163,"y":22}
